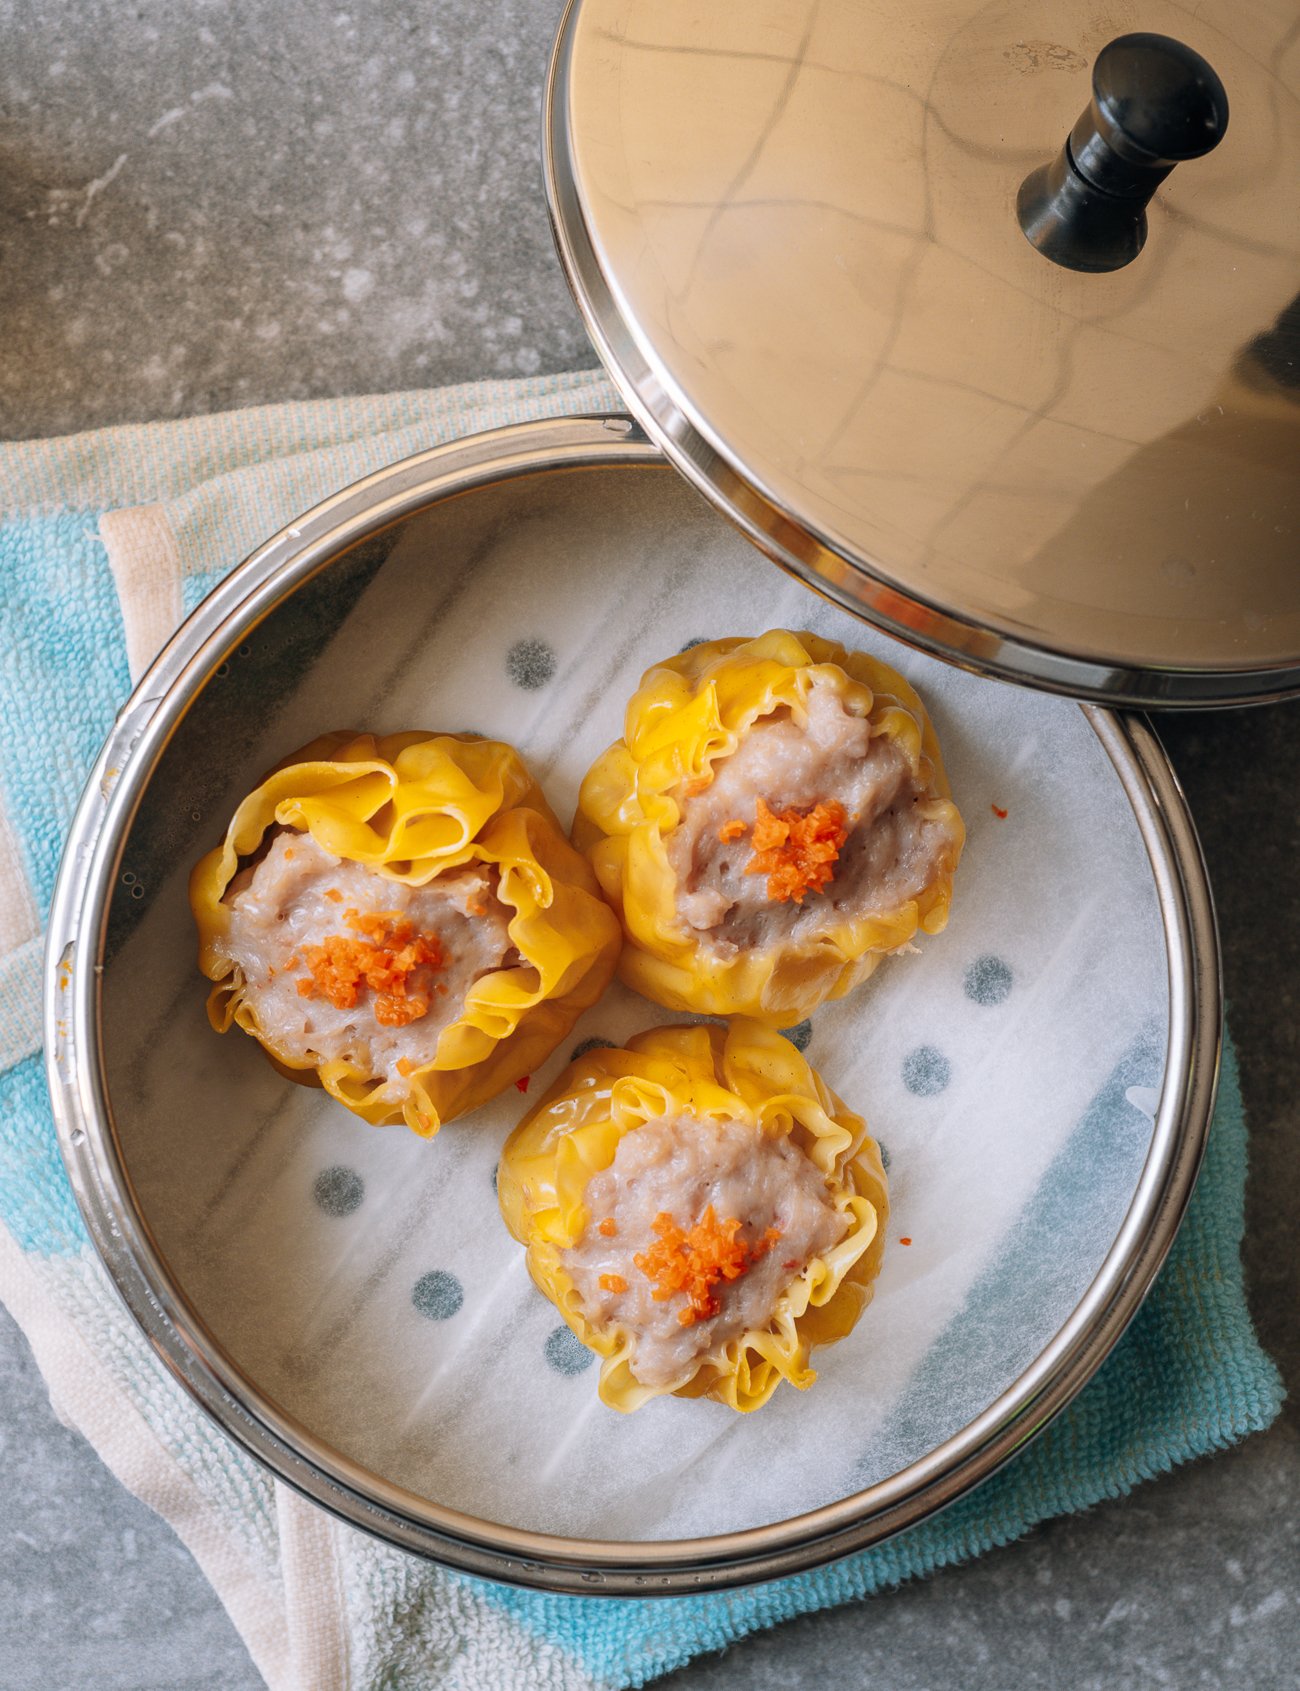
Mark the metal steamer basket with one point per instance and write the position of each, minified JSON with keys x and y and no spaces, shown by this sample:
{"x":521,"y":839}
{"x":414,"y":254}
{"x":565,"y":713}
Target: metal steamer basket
{"x":974,"y":583}
{"x":134,"y":785}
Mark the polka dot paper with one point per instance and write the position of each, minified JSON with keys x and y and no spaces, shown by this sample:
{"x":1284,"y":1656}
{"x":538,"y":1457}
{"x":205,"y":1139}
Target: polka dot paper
{"x":363,"y":1277}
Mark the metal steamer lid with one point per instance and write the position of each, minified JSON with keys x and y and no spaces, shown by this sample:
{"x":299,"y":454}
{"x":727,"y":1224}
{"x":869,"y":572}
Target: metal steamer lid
{"x":919,"y":298}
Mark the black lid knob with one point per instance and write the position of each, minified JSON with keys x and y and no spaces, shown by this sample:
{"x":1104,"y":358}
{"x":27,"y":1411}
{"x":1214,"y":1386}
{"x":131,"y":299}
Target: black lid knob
{"x":1155,"y":103}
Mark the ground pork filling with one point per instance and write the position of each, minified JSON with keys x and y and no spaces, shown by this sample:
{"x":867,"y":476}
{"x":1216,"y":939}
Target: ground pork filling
{"x":802,"y":826}
{"x":695,"y":1230}
{"x":340,"y":961}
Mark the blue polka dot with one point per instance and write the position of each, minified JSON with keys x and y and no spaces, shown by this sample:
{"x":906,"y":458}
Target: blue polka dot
{"x":690,"y":645}
{"x":799,"y":1035}
{"x":566,"y":1353}
{"x":339,"y":1190}
{"x":988,"y":981}
{"x":437,"y":1295}
{"x":496,"y":1170}
{"x":926,"y":1071}
{"x":530,"y":664}
{"x":583,"y":1046}
{"x":884,"y":1156}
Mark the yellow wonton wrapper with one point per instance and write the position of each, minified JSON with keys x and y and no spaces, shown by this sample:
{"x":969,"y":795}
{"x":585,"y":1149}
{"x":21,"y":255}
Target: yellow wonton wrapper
{"x":689,"y":711}
{"x":412,"y":806}
{"x":744,"y":1072}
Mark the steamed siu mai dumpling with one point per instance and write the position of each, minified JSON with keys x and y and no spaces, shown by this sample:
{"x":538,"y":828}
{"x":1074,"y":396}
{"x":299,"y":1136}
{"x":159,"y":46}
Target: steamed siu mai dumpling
{"x":402,"y":921}
{"x":701,"y":1209}
{"x":775,"y":820}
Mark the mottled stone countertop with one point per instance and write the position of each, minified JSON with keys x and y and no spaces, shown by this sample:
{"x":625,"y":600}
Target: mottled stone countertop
{"x":213,"y":203}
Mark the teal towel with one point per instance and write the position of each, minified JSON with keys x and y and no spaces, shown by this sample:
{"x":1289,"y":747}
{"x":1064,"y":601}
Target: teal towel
{"x":105,"y":541}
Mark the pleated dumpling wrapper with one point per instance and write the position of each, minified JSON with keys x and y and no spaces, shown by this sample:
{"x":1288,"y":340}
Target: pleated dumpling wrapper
{"x":775,"y":820}
{"x":701,"y":1209}
{"x":401,"y":921}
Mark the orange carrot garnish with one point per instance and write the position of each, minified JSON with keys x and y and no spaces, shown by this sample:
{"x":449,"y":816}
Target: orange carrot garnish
{"x":334,"y":895}
{"x":608,"y":1228}
{"x":695,"y":1261}
{"x":698,"y":783}
{"x":613,"y":1283}
{"x":796,"y":850}
{"x":905,"y":1241}
{"x":762,"y":1246}
{"x":732,"y":830}
{"x":405,"y":1066}
{"x":384,"y":960}
{"x":998,"y":812}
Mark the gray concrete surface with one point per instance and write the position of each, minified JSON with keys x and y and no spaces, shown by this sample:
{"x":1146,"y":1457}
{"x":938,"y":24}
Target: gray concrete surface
{"x":209,"y":205}
{"x":205,"y":205}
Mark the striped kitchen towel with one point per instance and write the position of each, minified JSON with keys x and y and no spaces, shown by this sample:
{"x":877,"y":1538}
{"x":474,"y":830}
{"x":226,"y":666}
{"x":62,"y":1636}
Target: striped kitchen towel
{"x":106,"y":541}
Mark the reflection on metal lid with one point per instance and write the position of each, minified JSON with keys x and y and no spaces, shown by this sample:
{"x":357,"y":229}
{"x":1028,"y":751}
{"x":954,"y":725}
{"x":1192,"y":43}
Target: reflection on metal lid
{"x":792,"y":227}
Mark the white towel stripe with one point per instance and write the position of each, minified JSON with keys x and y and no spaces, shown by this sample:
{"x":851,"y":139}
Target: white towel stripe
{"x":19,"y":919}
{"x":314,"y":1599}
{"x":20,"y":1002}
{"x":143,"y":555}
